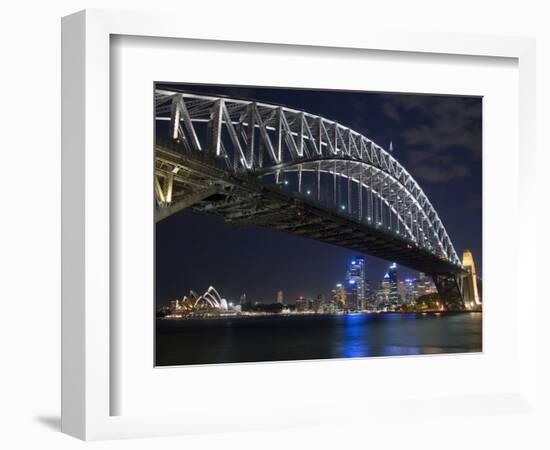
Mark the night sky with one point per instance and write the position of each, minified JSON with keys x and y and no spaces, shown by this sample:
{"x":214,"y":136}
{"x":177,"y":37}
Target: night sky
{"x":438,"y":139}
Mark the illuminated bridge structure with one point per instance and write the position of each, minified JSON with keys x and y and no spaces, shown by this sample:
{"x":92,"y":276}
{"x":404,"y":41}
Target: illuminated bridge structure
{"x":288,"y":170}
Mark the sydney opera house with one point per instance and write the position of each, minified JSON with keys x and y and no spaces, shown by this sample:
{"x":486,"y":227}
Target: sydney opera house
{"x":209,"y":302}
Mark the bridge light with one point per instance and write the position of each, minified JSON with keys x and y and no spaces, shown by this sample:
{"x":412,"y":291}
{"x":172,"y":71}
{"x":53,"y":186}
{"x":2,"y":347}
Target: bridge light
{"x":308,"y":192}
{"x":342,"y":207}
{"x":286,"y":182}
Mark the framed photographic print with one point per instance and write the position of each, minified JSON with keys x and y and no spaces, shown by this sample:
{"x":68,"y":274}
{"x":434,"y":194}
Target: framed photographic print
{"x":305,"y":238}
{"x":267,"y":231}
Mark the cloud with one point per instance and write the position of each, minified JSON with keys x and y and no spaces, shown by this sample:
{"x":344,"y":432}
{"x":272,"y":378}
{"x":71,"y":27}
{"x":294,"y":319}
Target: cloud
{"x":440,"y":173}
{"x":441,"y":135}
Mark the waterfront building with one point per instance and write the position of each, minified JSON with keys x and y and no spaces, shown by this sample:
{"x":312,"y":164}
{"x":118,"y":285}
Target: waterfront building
{"x":331,"y":303}
{"x":368,"y":293}
{"x":356,"y":285}
{"x":319,"y":303}
{"x":409,"y":291}
{"x":339,"y":296}
{"x":209,"y":302}
{"x":280,"y":297}
{"x":393,"y":296}
{"x":174,"y":306}
{"x":384,"y":291}
{"x":302,"y":304}
{"x":371,"y":298}
{"x":401,"y":291}
{"x":381,"y":296}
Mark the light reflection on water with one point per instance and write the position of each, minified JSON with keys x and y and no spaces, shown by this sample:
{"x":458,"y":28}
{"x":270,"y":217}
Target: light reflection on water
{"x":362,"y":330}
{"x":276,"y":338}
{"x":355,"y":328}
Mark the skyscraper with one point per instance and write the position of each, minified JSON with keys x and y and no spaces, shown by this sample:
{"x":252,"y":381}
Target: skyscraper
{"x":319,"y":303}
{"x":301,"y":303}
{"x":355,"y":285}
{"x":339,"y":296}
{"x":244,"y":302}
{"x":280,"y":297}
{"x":409,"y":290}
{"x":393,"y":296}
{"x":384,"y":292}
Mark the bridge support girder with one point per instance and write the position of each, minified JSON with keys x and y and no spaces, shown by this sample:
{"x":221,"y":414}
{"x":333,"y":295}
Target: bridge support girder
{"x":449,"y":290}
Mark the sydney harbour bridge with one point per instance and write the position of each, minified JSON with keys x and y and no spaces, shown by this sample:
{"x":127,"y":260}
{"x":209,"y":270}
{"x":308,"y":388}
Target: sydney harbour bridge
{"x":291,"y":171}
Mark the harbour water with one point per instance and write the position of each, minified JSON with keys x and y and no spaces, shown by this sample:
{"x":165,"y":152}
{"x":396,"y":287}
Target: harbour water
{"x":303,"y":337}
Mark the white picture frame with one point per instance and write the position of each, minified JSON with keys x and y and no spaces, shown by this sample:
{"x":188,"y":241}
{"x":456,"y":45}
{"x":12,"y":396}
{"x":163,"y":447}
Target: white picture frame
{"x":86,"y":217}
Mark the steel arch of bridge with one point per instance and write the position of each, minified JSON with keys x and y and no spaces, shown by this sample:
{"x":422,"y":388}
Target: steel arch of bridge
{"x":311,"y":156}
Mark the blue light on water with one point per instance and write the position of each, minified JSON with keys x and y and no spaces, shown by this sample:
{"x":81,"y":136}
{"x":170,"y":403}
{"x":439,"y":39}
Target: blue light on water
{"x":354,"y":336}
{"x":355,"y":351}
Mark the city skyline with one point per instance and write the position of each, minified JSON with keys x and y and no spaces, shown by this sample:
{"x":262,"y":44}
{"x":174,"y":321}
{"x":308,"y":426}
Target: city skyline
{"x":355,"y":295}
{"x":359,"y":292}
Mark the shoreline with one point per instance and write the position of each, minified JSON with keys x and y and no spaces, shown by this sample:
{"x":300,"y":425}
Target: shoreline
{"x":313,"y":314}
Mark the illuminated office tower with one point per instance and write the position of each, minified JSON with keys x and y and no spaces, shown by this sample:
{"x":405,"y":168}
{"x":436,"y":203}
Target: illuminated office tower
{"x":280,"y":297}
{"x":301,"y":303}
{"x":339,"y":297}
{"x":319,"y":303}
{"x":380,"y":300}
{"x":355,"y":285}
{"x":401,"y":291}
{"x":384,"y":292}
{"x":393,"y":296}
{"x":471,"y":295}
{"x":409,"y":291}
{"x":370,"y":296}
{"x":245,"y":302}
